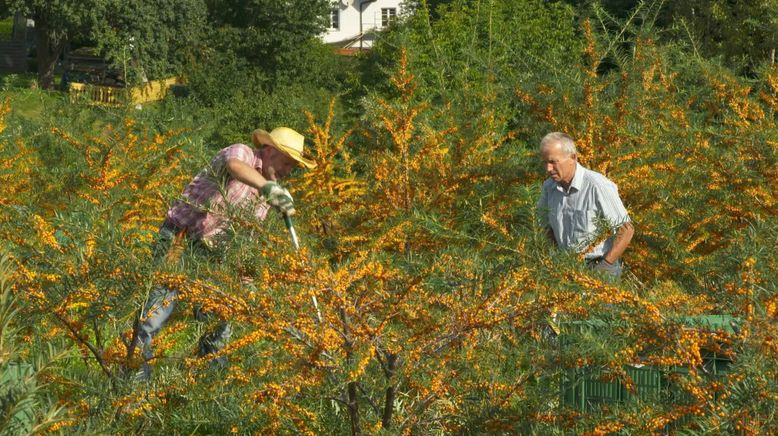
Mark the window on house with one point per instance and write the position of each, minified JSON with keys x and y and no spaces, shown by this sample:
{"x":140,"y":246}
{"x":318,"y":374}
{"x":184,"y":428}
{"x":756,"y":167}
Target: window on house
{"x":388,"y":15}
{"x":335,"y":18}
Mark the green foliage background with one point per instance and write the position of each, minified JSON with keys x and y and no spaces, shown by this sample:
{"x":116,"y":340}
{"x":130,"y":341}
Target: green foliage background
{"x":420,"y":233}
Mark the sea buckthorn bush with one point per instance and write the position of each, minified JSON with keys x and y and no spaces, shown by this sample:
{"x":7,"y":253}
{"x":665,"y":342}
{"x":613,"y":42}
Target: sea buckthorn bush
{"x":433,"y":281}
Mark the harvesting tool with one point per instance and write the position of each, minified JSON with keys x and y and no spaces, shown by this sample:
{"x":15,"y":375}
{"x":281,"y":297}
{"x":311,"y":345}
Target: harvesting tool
{"x":292,"y":233}
{"x":296,"y":243}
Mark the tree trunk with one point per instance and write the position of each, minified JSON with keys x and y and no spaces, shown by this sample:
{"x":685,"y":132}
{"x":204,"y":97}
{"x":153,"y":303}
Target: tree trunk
{"x":351,"y":388}
{"x":353,"y":409}
{"x":49,"y":47}
{"x":391,"y":365}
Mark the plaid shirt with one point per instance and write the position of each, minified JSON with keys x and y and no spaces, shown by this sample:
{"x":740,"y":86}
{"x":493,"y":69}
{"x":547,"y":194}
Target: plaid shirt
{"x":202,"y":209}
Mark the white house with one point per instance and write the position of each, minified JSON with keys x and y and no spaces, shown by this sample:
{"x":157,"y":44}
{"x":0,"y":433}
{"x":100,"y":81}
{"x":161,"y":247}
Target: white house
{"x":352,"y":21}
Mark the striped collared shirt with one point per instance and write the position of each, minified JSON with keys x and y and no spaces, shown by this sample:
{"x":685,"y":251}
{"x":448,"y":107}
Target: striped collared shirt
{"x":573,"y":214}
{"x":202,"y":209}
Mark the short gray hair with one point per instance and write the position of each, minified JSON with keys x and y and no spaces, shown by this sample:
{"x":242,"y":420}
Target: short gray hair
{"x":564,"y":140}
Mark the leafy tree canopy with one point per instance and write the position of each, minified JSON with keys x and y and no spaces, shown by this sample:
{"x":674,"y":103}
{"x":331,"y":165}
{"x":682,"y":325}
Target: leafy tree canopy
{"x":744,"y":33}
{"x":267,"y":33}
{"x":150,"y":38}
{"x":55,"y":21}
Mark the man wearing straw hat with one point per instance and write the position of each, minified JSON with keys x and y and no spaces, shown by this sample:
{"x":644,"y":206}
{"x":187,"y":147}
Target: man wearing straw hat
{"x":239,"y":176}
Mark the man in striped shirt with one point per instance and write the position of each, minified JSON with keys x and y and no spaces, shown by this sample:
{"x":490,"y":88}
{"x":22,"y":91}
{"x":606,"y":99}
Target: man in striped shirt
{"x":239,"y":177}
{"x":575,"y":203}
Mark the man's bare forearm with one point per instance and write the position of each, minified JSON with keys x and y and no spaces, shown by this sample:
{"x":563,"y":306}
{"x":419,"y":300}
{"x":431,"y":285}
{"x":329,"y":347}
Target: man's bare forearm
{"x":245,"y":173}
{"x":623,"y":238}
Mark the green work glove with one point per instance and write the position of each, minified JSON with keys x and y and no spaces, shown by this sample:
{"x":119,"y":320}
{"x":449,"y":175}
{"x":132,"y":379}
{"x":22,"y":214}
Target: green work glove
{"x":278,"y":197}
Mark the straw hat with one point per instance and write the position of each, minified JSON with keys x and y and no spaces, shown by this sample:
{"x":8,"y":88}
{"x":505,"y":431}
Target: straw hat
{"x":286,"y":141}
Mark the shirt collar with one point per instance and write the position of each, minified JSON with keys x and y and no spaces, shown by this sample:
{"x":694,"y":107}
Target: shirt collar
{"x":577,"y":181}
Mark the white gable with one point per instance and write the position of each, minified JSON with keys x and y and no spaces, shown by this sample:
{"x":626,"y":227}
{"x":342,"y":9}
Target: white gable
{"x":346,"y":25}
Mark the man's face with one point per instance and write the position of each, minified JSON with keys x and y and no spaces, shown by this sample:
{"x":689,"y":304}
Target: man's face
{"x":559,"y":165}
{"x":277,"y":165}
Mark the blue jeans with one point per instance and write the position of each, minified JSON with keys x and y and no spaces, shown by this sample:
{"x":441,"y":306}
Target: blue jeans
{"x":162,"y":302}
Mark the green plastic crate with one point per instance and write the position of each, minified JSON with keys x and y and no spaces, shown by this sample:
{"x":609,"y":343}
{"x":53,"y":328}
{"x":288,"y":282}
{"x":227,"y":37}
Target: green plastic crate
{"x":585,"y":389}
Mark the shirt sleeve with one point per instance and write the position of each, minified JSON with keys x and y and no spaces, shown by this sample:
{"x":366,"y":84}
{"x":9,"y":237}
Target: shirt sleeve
{"x":241,"y":152}
{"x":610,"y":204}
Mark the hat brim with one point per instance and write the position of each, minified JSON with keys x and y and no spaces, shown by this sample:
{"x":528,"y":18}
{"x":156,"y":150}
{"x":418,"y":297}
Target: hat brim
{"x":261,"y":137}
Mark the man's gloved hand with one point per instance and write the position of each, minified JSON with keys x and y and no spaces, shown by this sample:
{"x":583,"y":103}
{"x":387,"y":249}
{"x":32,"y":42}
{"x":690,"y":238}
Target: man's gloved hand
{"x":279,"y":198}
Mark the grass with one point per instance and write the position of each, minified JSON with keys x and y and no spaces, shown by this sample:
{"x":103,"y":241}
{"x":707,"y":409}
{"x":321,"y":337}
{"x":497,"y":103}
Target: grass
{"x":26,"y":100}
{"x":30,"y":104}
{"x":12,"y":81}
